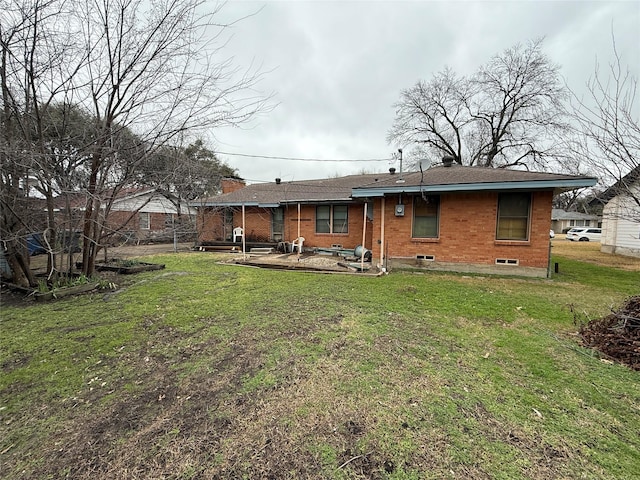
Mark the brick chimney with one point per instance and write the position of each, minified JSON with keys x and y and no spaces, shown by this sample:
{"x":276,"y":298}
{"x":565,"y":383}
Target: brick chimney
{"x":232,"y":184}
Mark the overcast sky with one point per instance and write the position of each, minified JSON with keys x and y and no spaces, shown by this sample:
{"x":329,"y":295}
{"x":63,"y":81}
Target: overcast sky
{"x":337,"y":68}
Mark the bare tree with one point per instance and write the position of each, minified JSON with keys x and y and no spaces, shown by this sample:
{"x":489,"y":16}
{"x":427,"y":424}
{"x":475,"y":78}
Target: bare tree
{"x":501,"y":116}
{"x":34,"y":70}
{"x":142,"y":74}
{"x":434,"y":115}
{"x":607,"y":136}
{"x":152,"y":68}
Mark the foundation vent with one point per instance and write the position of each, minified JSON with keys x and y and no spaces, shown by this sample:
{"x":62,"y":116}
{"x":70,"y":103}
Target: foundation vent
{"x":507,"y":261}
{"x":336,"y":245}
{"x":428,"y":258}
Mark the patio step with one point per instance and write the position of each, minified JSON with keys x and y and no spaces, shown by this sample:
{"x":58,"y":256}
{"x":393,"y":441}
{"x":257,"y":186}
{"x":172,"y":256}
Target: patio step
{"x":262,"y":250}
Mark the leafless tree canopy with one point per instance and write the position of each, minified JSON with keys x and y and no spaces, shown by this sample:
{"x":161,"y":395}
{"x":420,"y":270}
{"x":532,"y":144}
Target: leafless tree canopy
{"x":504,"y":115}
{"x":92,"y":88}
{"x":607,"y":133}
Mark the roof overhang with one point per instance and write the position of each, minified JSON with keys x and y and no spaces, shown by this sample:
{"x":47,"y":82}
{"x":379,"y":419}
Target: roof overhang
{"x":273,"y":204}
{"x":561,"y":185}
{"x":317,"y":201}
{"x":236,"y":204}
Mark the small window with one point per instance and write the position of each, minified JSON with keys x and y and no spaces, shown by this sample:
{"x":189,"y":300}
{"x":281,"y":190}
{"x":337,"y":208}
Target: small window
{"x":425,"y":216}
{"x":332,"y":219}
{"x":145,"y":220}
{"x":513,"y":216}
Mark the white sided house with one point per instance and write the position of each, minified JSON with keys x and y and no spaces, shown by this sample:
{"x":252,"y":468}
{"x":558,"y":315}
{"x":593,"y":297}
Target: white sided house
{"x":621,"y":217}
{"x":621,"y":224}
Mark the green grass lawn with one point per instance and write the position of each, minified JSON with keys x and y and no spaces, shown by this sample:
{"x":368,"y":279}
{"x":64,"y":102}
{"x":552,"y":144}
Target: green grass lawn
{"x":206,"y":370}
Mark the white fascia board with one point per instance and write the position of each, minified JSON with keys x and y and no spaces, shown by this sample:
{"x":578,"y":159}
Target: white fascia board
{"x":473,"y":187}
{"x":319,"y":201}
{"x":235,"y":204}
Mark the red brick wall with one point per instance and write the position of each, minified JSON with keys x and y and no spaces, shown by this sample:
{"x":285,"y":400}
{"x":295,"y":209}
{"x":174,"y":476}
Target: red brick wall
{"x":257,"y":222}
{"x":125,"y":222}
{"x":467,"y":231}
{"x":210,"y":224}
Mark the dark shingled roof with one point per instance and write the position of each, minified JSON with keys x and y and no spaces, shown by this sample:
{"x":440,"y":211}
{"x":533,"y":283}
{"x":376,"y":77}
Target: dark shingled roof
{"x":347,"y":188}
{"x":303,"y":191}
{"x":457,"y":174}
{"x":559,"y":214}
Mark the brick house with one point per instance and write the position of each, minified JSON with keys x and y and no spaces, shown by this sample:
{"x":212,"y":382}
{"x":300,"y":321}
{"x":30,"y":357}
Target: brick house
{"x":135,"y":215}
{"x":148,"y":215}
{"x":449,"y":217}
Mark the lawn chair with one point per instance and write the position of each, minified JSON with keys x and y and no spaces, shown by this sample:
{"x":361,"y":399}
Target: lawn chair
{"x":238,"y":233}
{"x":297,"y":243}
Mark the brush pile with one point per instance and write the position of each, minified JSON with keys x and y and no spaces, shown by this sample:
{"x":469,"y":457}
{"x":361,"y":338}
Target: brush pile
{"x":617,"y":335}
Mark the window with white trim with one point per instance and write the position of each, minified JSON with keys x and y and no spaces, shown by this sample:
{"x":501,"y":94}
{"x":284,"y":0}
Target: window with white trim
{"x":145,"y":220}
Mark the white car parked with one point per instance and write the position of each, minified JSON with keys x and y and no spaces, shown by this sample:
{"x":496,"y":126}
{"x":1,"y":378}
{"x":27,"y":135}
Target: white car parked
{"x":585,"y":234}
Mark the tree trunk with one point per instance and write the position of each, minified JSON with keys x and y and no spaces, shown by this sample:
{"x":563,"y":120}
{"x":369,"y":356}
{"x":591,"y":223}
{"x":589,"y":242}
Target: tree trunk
{"x":22,"y":275}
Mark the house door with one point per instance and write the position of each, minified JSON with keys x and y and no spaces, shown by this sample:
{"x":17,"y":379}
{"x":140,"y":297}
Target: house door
{"x":277,"y":224}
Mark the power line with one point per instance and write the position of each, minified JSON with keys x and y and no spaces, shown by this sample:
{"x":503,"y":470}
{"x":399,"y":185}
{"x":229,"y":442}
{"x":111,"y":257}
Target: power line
{"x":296,"y":159}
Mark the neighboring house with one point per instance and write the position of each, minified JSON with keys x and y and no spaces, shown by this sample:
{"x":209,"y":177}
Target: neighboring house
{"x":136,"y":215}
{"x":563,"y":221}
{"x":451,"y":217}
{"x":621,"y":216}
{"x":143,"y":215}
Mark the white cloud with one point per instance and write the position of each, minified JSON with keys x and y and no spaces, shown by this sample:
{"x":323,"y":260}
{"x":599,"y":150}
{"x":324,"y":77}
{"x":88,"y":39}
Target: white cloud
{"x":338,"y":67}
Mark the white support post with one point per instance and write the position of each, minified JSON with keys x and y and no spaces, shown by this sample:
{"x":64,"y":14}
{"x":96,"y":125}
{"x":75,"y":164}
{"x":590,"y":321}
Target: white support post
{"x":364,"y":236}
{"x":244,"y":236}
{"x":382,"y":257}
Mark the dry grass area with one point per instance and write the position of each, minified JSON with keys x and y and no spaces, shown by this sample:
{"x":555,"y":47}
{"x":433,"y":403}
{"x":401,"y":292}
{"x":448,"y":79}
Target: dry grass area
{"x":590,"y":252}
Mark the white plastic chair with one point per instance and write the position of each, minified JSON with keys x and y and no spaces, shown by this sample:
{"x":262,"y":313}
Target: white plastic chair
{"x":297,"y":243}
{"x":237,"y":233}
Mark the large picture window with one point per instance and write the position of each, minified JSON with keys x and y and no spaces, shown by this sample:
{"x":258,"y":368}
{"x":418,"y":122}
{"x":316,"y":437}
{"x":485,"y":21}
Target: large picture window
{"x":426,"y":211}
{"x":513,"y":216}
{"x":332,"y":219}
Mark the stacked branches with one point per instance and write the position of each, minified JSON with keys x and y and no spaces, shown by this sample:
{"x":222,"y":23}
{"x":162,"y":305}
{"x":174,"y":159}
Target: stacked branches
{"x":617,"y":335}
